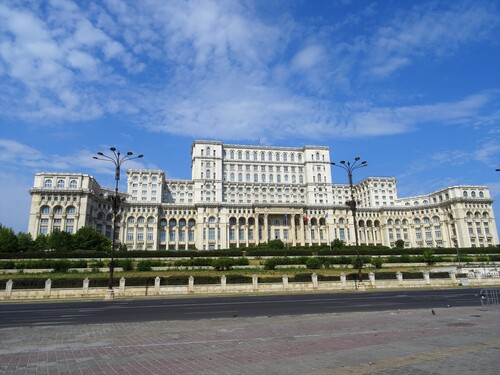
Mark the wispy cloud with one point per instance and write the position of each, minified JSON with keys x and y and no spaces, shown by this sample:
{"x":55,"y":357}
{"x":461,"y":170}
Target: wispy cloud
{"x":429,"y":30}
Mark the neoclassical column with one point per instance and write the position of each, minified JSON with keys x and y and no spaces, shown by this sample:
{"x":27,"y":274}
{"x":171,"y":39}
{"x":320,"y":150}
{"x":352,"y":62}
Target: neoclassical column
{"x":293,"y":234}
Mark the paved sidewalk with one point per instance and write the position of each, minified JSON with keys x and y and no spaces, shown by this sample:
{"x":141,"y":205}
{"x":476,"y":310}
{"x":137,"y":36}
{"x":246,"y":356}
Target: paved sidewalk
{"x":453,"y":341}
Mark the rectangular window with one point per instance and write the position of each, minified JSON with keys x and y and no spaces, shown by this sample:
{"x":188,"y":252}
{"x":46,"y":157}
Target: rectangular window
{"x":285,"y":234}
{"x":276,"y":234}
{"x":250,"y":234}
{"x":241,"y":234}
{"x":231,"y":234}
{"x":191,"y":235}
{"x":171,"y":235}
{"x":211,"y":234}
{"x":130,"y":235}
{"x":342,"y":234}
{"x":182,"y":235}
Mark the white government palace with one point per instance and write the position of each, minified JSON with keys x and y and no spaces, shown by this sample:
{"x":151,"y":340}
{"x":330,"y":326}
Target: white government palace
{"x":240,"y":196}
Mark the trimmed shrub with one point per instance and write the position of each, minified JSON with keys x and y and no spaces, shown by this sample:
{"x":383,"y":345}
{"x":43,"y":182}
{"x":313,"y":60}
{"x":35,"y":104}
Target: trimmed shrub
{"x":313,"y":263}
{"x":303,"y":277}
{"x":238,"y":279}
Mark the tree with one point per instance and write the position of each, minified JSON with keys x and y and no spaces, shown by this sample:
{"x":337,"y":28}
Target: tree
{"x":276,"y":244}
{"x":400,"y":244}
{"x":25,"y":242}
{"x":8,"y":240}
{"x":40,"y":243}
{"x":87,"y":238}
{"x":429,"y":257}
{"x":337,"y":244}
{"x":60,"y":241}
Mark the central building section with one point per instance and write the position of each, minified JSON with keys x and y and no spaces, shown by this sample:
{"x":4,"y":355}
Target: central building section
{"x":240,"y":196}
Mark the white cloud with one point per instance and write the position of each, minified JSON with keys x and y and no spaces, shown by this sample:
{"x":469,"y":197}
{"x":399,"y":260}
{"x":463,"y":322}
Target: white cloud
{"x":428,"y":30}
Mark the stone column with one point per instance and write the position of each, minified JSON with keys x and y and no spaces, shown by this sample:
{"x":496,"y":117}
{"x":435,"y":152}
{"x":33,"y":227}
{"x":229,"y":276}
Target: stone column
{"x":343,"y":280}
{"x":266,"y":228}
{"x":314,"y":278}
{"x":48,"y":284}
{"x":223,"y":283}
{"x":191,"y":284}
{"x":453,"y":276}
{"x":479,"y":276}
{"x":427,"y":277}
{"x":255,"y":283}
{"x":399,"y":276}
{"x":122,"y":285}
{"x":371,"y":276}
{"x":86,"y":282}
{"x":293,"y":234}
{"x":8,"y":288}
{"x":285,"y":282}
{"x":157,"y":285}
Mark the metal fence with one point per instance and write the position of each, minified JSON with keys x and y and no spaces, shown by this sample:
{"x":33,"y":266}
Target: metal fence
{"x":490,"y":297}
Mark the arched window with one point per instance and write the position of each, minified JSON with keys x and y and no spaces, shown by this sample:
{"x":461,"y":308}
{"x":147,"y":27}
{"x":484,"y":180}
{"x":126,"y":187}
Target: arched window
{"x":269,"y":156}
{"x":271,"y":178}
{"x":435,"y":220}
{"x":240,"y":177}
{"x":465,"y":194}
{"x":341,"y":221}
{"x":277,"y":156}
{"x":247,"y":155}
{"x":240,"y":155}
{"x":278,"y":178}
{"x":208,"y":173}
{"x":426,"y":220}
{"x":319,"y":177}
{"x":473,"y":194}
{"x":292,"y":157}
{"x":389,"y":222}
{"x":73,"y":184}
{"x":140,"y":220}
{"x":71,"y":210}
{"x":248,"y":177}
{"x":481,"y":194}
{"x":416,"y":221}
{"x":151,"y":220}
{"x":172,"y":223}
{"x":255,"y":155}
{"x":211,"y":220}
{"x":317,"y":156}
{"x":231,"y":177}
{"x":263,"y":177}
{"x":130,"y":220}
{"x":231,"y":154}
{"x":182,"y":222}
{"x":163,"y":222}
{"x":191,"y":222}
{"x":285,"y":157}
{"x":58,"y":210}
{"x":45,"y":210}
{"x":255,"y":177}
{"x":47,"y":184}
{"x":301,"y":179}
{"x":299,"y":156}
{"x":286,"y":178}
{"x":262,"y":156}
{"x":294,"y":179}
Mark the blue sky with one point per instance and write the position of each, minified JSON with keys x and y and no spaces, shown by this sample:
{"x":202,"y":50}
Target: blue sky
{"x":413,"y":87}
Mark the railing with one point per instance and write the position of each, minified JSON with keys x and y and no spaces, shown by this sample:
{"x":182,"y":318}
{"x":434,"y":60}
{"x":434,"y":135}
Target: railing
{"x":490,"y":297}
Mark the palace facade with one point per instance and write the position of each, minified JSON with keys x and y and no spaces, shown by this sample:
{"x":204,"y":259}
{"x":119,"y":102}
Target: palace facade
{"x":241,"y":196}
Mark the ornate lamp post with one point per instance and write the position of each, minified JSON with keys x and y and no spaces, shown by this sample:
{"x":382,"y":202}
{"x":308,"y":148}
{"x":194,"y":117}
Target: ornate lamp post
{"x":349,"y":168}
{"x":117,"y":159}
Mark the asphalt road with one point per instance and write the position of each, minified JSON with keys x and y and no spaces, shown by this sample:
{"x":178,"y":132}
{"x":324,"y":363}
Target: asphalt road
{"x":194,"y":308}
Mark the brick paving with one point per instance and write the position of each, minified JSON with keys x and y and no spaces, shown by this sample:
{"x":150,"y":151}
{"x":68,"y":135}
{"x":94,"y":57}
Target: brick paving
{"x":455,"y":340}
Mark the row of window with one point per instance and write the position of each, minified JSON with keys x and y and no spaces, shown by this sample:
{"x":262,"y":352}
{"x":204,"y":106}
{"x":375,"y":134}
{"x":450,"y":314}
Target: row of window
{"x":262,"y":156}
{"x":60,"y":184}
{"x":57,"y":210}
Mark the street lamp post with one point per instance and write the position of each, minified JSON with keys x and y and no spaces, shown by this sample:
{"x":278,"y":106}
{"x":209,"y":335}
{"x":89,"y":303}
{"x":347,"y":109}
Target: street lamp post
{"x":349,"y":168}
{"x":117,"y":159}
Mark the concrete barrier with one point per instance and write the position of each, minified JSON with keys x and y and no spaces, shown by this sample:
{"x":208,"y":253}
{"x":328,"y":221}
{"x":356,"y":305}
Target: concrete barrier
{"x":123,"y":290}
